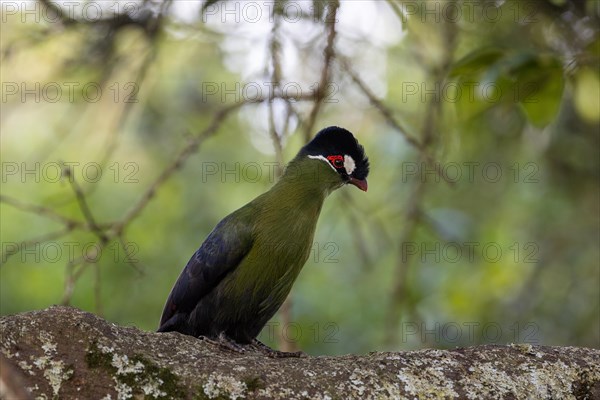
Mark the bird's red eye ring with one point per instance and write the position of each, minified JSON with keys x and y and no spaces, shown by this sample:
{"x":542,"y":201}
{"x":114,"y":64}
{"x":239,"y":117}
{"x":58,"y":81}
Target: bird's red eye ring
{"x":336,"y":161}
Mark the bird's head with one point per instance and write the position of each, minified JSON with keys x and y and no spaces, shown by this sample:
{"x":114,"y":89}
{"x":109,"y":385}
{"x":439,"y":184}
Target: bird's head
{"x":338,"y":148}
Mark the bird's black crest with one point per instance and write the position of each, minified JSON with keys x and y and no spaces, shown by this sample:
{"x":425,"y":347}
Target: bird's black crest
{"x":335,"y":140}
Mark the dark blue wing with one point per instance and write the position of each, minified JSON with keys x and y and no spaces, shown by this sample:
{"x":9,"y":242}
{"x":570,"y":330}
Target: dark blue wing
{"x":221,"y":253}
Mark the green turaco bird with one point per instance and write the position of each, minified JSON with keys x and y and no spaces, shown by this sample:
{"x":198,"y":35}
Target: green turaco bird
{"x":244,"y":270}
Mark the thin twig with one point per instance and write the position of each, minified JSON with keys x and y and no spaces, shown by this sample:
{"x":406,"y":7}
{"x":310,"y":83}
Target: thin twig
{"x":98,"y":289}
{"x":397,"y":10}
{"x":382,"y":108}
{"x":73,"y":273}
{"x":70,"y":279}
{"x":275,"y":47}
{"x":116,"y":21}
{"x":329,"y":54}
{"x":399,"y":291}
{"x":153,"y":26}
{"x":360,"y":243}
{"x":394,"y":123}
{"x":414,"y":214}
{"x":83,"y":206}
{"x":177,"y":163}
{"x":135,"y":264}
{"x":31,"y":242}
{"x":40,"y":210}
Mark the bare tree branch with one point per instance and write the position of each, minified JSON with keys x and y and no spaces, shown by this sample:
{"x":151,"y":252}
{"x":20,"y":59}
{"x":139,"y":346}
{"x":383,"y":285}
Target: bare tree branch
{"x":397,"y":10}
{"x":329,"y":54}
{"x":382,"y":108}
{"x":275,"y":47}
{"x":177,"y":163}
{"x":71,"y":278}
{"x":82,"y":366}
{"x":83,"y":206}
{"x":32,"y":242}
{"x":414,"y":213}
{"x":393,"y":122}
{"x":40,"y":210}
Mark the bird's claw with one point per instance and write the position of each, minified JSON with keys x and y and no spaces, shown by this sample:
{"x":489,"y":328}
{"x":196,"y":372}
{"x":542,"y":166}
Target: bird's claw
{"x":224,"y":342}
{"x":269,"y":352}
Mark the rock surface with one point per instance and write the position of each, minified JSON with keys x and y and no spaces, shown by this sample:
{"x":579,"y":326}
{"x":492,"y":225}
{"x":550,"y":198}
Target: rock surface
{"x":65,"y":353}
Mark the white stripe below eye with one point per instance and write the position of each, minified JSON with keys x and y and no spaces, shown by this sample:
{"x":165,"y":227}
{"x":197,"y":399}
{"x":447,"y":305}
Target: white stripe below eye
{"x":349,"y":164}
{"x":323,"y":159}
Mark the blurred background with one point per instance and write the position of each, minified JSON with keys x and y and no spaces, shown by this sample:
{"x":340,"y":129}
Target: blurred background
{"x":130,"y":128}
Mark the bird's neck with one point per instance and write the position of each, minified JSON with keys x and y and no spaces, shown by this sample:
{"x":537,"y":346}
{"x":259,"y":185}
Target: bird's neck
{"x":306,"y":181}
{"x":297,"y":197}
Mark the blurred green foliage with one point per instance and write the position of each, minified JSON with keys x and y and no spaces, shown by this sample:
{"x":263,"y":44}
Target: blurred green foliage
{"x":502,"y":97}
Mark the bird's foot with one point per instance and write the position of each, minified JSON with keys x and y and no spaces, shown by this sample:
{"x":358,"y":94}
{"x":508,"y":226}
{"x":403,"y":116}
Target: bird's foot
{"x":228,"y":343}
{"x":224,"y":342}
{"x":269,"y":352}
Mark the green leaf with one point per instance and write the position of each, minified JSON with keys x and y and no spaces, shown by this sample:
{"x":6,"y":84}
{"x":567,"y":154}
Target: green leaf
{"x":587,"y":87}
{"x":476,"y":62}
{"x":532,"y":81}
{"x":539,"y":90}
